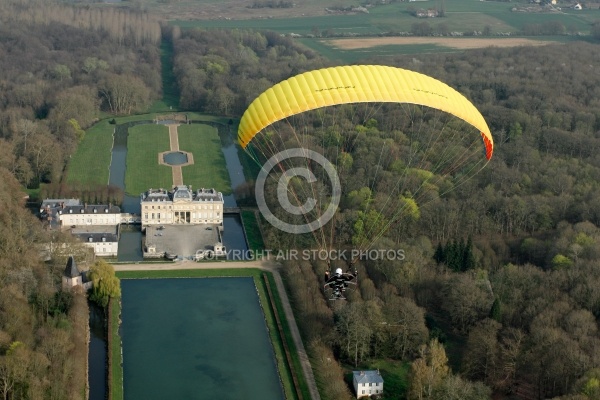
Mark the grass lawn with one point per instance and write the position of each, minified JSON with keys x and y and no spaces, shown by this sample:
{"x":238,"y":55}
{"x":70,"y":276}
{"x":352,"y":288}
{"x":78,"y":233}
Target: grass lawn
{"x":96,"y":146}
{"x":395,"y":376}
{"x":296,"y":364}
{"x":143,"y":171}
{"x":253,"y":234}
{"x":394,"y":373}
{"x":276,"y":340}
{"x":116,"y":378}
{"x":209,"y":169}
{"x":90,"y":164}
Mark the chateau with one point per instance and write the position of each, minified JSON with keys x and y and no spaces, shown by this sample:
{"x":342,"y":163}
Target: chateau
{"x":182,"y":205}
{"x":179,"y":222}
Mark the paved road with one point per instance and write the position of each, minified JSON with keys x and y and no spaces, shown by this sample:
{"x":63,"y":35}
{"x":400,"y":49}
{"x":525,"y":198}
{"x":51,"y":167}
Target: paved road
{"x":271,"y":266}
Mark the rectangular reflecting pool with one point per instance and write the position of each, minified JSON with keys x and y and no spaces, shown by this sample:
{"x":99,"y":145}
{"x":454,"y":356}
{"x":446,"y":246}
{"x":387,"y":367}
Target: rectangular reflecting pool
{"x":196,"y":338}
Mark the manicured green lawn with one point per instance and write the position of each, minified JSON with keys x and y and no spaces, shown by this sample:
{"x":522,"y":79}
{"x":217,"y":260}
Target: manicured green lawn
{"x":209,"y":169}
{"x":143,"y":171}
{"x":90,"y":163}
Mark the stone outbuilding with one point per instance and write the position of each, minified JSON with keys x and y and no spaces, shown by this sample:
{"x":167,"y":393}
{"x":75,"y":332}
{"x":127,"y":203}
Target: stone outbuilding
{"x":73,"y":277}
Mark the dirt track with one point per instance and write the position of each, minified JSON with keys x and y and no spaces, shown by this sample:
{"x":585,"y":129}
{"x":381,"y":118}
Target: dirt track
{"x":455,"y":43}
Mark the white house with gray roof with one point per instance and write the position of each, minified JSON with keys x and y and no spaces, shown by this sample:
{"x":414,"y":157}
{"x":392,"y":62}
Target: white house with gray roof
{"x":182,"y":205}
{"x":96,"y":214}
{"x":105,"y":244}
{"x":68,"y":212}
{"x":367,"y":383}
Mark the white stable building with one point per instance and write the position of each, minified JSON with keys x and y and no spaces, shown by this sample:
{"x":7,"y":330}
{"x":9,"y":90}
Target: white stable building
{"x":181,"y":205}
{"x":98,"y":214}
{"x":64,"y":213}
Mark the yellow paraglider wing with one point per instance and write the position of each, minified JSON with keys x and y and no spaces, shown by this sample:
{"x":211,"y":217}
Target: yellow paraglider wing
{"x":357,"y":84}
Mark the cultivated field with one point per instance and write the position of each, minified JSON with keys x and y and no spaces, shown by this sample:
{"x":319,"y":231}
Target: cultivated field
{"x":454,"y":43}
{"x":315,"y":22}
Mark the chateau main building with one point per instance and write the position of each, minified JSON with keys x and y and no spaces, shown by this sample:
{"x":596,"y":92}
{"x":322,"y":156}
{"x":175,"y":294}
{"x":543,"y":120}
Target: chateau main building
{"x":182,"y":205}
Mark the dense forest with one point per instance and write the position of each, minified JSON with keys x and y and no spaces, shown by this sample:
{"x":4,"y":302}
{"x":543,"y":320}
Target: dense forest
{"x":522,"y":307}
{"x":505,"y":266}
{"x":526,"y":304}
{"x":43,"y":331}
{"x":61,"y":67}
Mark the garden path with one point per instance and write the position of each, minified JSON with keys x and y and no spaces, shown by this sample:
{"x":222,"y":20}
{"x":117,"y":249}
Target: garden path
{"x":174,"y":142}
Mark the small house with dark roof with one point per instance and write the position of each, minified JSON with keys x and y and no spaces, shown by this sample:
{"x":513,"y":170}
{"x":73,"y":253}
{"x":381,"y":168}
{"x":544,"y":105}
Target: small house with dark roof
{"x":73,"y":277}
{"x":367,"y":383}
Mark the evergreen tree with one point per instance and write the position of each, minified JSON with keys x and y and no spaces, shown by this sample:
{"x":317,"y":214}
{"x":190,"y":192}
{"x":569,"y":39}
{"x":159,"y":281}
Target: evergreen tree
{"x":496,"y":310}
{"x":468,"y":257}
{"x":438,"y":256}
{"x":452,"y":255}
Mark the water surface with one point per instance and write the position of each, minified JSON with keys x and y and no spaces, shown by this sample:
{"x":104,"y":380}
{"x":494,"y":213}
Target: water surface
{"x":130,"y":243}
{"x":202,"y":338}
{"x":97,"y":353}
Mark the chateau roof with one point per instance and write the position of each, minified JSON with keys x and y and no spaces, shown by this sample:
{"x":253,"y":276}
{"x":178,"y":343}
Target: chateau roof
{"x":182,"y":192}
